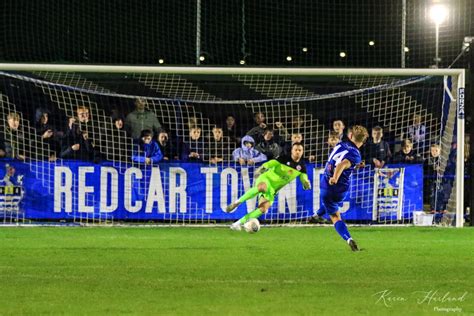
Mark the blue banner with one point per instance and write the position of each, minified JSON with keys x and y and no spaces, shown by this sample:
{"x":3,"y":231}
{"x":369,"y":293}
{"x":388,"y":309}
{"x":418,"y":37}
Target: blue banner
{"x":172,"y":191}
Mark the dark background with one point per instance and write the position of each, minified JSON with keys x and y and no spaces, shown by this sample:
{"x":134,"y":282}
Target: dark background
{"x":262,"y":32}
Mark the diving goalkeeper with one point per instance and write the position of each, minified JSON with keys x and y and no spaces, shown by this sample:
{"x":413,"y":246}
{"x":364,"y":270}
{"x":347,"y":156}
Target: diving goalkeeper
{"x":272,"y":176}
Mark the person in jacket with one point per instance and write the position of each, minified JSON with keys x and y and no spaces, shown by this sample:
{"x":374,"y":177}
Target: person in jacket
{"x":257,"y":131}
{"x":230,"y":129}
{"x":376,"y":150}
{"x":14,"y":141}
{"x":148,"y":151}
{"x":141,"y":119}
{"x":193,"y":150}
{"x":247,"y":154}
{"x":407,"y":154}
{"x":48,"y":132}
{"x":168,"y":145}
{"x":268,"y":146}
{"x":79,"y":146}
{"x":219,"y":147}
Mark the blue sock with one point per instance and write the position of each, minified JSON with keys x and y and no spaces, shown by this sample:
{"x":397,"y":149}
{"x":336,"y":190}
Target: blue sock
{"x":321,"y":212}
{"x":341,"y":229}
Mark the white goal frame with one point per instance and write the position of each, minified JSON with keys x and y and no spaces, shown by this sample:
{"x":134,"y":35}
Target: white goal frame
{"x":458,"y":73}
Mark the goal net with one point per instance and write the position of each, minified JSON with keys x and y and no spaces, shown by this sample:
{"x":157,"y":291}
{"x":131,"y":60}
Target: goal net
{"x":73,"y":151}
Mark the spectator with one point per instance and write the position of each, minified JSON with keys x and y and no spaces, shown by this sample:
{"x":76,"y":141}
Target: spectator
{"x":79,"y":141}
{"x":77,"y":145}
{"x":377,"y":150}
{"x":49,"y":134}
{"x":141,"y":119}
{"x":83,"y":114}
{"x":433,"y":190}
{"x":218,"y":148}
{"x":230,"y":129}
{"x":406,"y":154}
{"x":333,"y":139}
{"x":268,"y":146}
{"x":338,"y":127}
{"x":84,"y":121}
{"x":78,"y":123}
{"x":417,"y":134}
{"x":117,"y":115}
{"x":257,"y":131}
{"x":247,"y":155}
{"x":295,"y":138}
{"x":193,"y":151}
{"x":148,"y":150}
{"x":14,"y":142}
{"x":165,"y":145}
{"x":116,"y":145}
{"x":118,"y":123}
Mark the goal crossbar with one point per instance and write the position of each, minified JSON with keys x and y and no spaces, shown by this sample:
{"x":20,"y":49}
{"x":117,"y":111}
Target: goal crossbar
{"x":232,"y":70}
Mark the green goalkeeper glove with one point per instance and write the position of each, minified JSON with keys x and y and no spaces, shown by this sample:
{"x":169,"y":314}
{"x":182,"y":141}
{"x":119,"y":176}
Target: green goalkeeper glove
{"x":306,"y":185}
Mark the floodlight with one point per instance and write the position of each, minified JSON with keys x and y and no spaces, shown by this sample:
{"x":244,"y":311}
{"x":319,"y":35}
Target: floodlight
{"x":438,"y":13}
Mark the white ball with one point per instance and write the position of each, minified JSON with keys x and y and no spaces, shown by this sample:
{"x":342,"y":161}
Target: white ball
{"x":252,"y":226}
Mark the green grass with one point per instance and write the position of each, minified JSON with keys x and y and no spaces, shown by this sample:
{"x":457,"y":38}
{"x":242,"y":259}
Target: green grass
{"x":277,"y":271}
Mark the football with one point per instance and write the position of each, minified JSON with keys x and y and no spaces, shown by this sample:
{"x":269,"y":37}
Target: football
{"x":252,"y":226}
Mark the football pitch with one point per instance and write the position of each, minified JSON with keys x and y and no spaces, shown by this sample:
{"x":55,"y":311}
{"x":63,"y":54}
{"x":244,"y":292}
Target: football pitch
{"x":215,"y":271}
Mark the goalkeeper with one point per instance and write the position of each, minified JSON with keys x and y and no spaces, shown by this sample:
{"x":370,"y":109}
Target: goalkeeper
{"x":271,"y":177}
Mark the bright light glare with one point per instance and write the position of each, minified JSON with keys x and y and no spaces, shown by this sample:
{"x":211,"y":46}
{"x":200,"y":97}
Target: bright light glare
{"x":438,"y":13}
{"x":342,"y":54}
{"x":305,"y":49}
{"x":288,"y":58}
{"x":371,"y":43}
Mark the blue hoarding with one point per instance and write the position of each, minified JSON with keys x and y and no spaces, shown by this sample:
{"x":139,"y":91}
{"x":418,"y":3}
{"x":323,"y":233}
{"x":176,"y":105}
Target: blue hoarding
{"x":182,"y":191}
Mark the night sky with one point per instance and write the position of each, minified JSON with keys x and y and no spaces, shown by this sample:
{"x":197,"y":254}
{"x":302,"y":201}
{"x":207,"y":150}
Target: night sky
{"x":262,"y":33}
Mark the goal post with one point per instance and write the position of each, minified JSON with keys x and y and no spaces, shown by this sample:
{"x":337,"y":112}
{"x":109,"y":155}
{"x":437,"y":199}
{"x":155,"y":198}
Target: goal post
{"x":270,"y":101}
{"x":460,"y":150}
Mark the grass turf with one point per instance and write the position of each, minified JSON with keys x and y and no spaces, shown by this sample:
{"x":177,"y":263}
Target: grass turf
{"x":217,"y":271}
